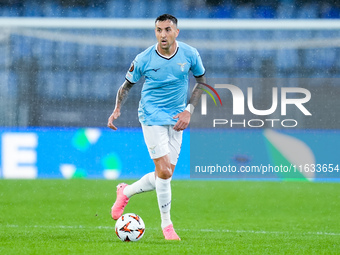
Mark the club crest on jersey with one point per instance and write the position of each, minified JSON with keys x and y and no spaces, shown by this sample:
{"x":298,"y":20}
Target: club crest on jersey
{"x":182,"y":66}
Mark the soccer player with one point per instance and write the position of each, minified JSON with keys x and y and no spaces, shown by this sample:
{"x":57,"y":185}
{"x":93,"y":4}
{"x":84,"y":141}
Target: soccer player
{"x":162,"y":112}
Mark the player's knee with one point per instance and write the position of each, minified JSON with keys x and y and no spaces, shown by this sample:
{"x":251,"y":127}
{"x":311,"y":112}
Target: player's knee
{"x":163,"y":167}
{"x":164,"y":171}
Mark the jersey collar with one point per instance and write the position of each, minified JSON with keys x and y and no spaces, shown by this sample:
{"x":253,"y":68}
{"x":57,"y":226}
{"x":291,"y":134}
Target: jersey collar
{"x":166,"y":57}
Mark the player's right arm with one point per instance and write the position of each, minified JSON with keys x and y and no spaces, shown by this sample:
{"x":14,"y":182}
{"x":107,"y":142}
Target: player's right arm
{"x":121,"y":97}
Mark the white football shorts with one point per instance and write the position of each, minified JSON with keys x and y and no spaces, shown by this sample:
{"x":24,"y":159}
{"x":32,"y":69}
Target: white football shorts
{"x":163,"y":140}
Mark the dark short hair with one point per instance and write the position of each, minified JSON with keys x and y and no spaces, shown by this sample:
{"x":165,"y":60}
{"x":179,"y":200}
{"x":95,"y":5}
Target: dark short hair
{"x":165,"y":17}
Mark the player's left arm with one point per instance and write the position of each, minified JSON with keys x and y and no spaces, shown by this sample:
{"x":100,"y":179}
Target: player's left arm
{"x":185,"y":116}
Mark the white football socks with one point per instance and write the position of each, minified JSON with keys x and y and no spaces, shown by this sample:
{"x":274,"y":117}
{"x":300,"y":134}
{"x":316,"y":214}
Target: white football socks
{"x":146,"y":183}
{"x":163,"y":190}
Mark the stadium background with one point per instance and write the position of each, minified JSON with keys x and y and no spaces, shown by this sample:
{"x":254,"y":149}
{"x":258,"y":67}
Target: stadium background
{"x":58,"y":85}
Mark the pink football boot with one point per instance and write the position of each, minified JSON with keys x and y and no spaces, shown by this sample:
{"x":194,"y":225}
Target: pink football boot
{"x":169,"y":233}
{"x":121,"y":201}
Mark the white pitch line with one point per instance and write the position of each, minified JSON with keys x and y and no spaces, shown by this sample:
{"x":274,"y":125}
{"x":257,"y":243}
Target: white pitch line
{"x":184,"y":230}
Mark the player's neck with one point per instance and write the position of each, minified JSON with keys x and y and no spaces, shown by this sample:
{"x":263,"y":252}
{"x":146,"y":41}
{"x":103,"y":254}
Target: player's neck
{"x":167,"y":53}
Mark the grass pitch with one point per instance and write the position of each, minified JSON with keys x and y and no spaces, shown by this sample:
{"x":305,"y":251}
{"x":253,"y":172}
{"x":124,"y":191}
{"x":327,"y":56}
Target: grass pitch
{"x":211,"y":217}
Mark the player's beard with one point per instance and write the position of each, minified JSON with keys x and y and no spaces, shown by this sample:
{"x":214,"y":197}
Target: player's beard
{"x":166,"y":46}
